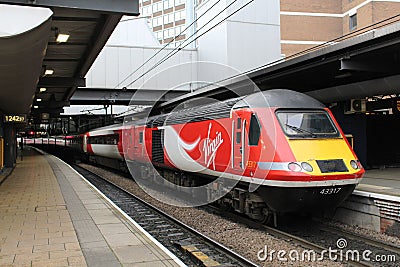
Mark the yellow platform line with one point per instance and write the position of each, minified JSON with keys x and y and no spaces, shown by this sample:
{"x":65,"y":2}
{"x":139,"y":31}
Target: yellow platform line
{"x":200,"y":256}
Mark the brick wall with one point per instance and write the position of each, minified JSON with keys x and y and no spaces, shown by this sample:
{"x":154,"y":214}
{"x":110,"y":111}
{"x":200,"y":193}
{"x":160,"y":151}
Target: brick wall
{"x":306,"y":28}
{"x":291,"y":49}
{"x":320,"y":6}
{"x":383,"y":10}
{"x":325,"y":28}
{"x":347,"y":5}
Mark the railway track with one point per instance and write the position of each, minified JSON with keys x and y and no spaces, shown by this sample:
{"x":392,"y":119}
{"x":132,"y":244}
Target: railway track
{"x":287,"y":235}
{"x":192,"y":247}
{"x":318,"y":240}
{"x":317,"y":236}
{"x":367,"y":251}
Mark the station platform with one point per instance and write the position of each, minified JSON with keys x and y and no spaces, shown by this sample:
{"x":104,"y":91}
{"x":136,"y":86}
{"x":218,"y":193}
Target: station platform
{"x":50,"y":216}
{"x":381,"y":183}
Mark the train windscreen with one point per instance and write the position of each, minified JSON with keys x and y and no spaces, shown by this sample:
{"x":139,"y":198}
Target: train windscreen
{"x":306,"y":124}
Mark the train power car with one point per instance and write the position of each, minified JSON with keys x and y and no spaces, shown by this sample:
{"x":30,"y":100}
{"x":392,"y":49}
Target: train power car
{"x":285,"y":145}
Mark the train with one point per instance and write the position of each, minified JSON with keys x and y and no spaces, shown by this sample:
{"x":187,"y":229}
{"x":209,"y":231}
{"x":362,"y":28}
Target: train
{"x":283,"y":149}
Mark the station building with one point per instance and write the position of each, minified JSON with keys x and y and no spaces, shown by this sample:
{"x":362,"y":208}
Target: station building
{"x":250,"y":39}
{"x":303,"y":24}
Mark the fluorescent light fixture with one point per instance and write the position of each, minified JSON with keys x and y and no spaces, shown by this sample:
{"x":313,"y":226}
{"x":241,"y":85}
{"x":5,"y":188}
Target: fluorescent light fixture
{"x":35,"y":106}
{"x":39,"y":100}
{"x":42,"y":89}
{"x":48,"y":72}
{"x":62,"y":38}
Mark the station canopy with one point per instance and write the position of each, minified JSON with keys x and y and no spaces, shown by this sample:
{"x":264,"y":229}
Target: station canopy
{"x":39,"y":70}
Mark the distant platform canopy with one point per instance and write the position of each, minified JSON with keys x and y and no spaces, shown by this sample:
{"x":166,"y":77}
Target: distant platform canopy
{"x":39,"y":71}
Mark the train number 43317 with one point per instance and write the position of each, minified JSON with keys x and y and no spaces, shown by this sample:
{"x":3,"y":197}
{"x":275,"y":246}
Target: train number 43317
{"x":330,"y":191}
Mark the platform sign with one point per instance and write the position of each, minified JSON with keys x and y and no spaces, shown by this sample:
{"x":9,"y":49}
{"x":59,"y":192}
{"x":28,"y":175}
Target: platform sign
{"x":15,"y":118}
{"x":45,"y":118}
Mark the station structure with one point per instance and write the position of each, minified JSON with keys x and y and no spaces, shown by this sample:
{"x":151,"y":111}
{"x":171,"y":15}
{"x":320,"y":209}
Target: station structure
{"x":357,"y":76}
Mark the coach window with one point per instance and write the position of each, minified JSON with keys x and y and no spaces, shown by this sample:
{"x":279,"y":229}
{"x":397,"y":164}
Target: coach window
{"x":141,"y":138}
{"x":239,"y":123}
{"x":254,"y":130}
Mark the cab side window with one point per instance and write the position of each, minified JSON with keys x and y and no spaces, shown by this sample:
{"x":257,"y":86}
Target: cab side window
{"x":254,"y":130}
{"x":140,"y":137}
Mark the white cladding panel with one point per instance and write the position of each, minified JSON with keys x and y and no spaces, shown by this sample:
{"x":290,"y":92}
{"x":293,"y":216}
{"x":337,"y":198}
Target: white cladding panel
{"x":248,"y":39}
{"x":108,"y":151}
{"x":116,"y":63}
{"x":11,"y":22}
{"x":245,"y":54}
{"x":133,"y":31}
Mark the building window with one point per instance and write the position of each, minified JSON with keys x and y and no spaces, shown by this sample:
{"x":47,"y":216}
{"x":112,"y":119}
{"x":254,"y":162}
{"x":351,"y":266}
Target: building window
{"x":180,"y":30}
{"x":169,"y":33}
{"x":157,"y":7}
{"x":353,"y":22}
{"x":159,"y":35}
{"x":169,"y":18}
{"x":157,"y":21}
{"x":146,"y":11}
{"x":180,"y":15}
{"x":179,"y":43}
{"x":179,"y":2}
{"x":168,"y":4}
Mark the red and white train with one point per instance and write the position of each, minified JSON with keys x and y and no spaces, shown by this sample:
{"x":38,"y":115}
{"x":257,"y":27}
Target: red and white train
{"x":286,"y":143}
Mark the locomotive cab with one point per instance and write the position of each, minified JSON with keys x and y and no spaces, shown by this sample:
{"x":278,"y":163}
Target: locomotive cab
{"x":299,"y":158}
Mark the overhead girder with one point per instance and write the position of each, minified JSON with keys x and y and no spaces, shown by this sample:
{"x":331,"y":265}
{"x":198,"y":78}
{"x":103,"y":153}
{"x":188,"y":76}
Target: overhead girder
{"x":354,"y":64}
{"x":93,"y":96}
{"x":61,"y":82}
{"x":127,"y":7}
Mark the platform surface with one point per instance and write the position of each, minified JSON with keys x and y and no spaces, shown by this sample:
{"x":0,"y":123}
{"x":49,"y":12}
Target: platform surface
{"x":49,"y":216}
{"x":381,"y":181}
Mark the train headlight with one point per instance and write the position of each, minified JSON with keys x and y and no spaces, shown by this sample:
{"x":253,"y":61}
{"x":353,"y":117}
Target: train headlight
{"x":307,"y":167}
{"x":294,"y":167}
{"x":354,"y":164}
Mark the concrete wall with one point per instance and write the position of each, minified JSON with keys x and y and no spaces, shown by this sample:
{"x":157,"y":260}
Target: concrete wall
{"x":248,"y":39}
{"x":359,"y":211}
{"x":132,"y":44}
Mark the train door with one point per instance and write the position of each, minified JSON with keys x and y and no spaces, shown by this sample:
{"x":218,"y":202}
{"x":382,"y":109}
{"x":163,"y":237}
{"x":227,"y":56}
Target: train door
{"x":238,"y":142}
{"x":129,"y":141}
{"x":84,"y":143}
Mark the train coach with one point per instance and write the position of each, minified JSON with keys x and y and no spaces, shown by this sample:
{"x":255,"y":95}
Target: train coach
{"x":285,"y":145}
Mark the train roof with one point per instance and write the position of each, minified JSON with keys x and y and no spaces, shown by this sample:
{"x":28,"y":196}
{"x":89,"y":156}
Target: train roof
{"x":220,"y":109}
{"x":107,"y":128}
{"x":279,"y":98}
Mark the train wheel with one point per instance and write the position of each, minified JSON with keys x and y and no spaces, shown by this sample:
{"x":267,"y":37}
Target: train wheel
{"x":226,"y":206}
{"x":267,"y":216}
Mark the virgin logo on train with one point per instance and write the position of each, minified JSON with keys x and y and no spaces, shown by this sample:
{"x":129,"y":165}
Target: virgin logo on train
{"x":210,"y":147}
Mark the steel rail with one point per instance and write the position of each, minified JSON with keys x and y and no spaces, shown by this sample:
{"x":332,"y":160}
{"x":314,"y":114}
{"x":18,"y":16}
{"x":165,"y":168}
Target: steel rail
{"x":218,"y":246}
